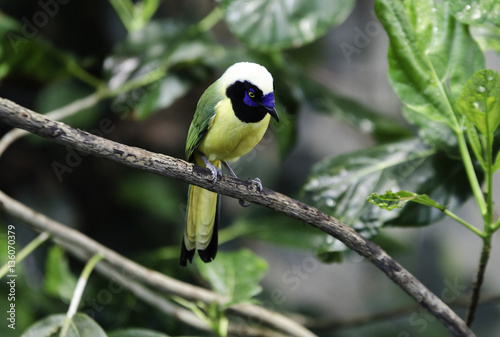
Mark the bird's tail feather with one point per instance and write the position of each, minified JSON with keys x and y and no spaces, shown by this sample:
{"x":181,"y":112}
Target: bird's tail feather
{"x":201,"y":225}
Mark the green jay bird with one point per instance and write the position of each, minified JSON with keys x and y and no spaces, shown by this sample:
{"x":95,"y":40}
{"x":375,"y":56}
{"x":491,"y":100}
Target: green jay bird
{"x":231,"y":117}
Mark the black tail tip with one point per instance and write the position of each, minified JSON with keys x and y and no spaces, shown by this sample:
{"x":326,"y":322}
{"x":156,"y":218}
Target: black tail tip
{"x":186,"y":255}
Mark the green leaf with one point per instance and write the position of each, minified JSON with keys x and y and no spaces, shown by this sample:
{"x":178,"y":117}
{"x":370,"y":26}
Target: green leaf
{"x":464,"y":58}
{"x":161,"y":44}
{"x":477,"y":11}
{"x":480,"y":101}
{"x":59,"y":281}
{"x":487,"y":37}
{"x":80,"y":325}
{"x":436,"y":134}
{"x":274,"y":24}
{"x":453,"y":53}
{"x":340,"y":186}
{"x":24,"y":53}
{"x":235,"y":275}
{"x":411,"y":72}
{"x":391,"y":200}
{"x":428,"y":73}
{"x":136,"y":333}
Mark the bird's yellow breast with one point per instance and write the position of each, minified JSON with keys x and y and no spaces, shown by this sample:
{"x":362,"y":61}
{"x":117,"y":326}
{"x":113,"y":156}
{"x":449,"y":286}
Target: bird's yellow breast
{"x":228,"y":138}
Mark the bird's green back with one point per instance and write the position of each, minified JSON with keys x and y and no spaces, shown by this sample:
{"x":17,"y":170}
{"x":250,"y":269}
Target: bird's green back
{"x":203,"y":117}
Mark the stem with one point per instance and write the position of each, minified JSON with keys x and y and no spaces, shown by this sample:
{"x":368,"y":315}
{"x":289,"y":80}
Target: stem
{"x":124,"y":9}
{"x":478,"y":282}
{"x":147,"y":78}
{"x":488,"y":229}
{"x":488,"y":224}
{"x":82,"y":282}
{"x":30,"y":247}
{"x":465,"y":223}
{"x":210,"y":20}
{"x":82,"y":74}
{"x":495,"y":226}
{"x":471,"y":173}
{"x":77,"y":295}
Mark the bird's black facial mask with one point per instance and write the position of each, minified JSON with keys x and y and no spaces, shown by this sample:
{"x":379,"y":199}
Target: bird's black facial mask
{"x":249,"y":103}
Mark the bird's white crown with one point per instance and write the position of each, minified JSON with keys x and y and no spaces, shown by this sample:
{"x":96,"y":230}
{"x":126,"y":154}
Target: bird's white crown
{"x":251,"y":72}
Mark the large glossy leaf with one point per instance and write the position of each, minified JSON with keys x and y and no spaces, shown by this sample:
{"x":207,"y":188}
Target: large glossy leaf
{"x":279,"y":24}
{"x":80,"y":325}
{"x":235,"y":275}
{"x":430,"y":56}
{"x":340,"y":186}
{"x":487,"y":36}
{"x":161,"y":45}
{"x":477,"y":11}
{"x":411,"y":72}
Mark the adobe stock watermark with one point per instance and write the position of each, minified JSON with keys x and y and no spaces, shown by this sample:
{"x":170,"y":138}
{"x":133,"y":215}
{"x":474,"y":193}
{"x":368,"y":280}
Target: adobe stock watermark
{"x":421,"y":318}
{"x":31,"y":26}
{"x":122,"y":107}
{"x":362,"y":38}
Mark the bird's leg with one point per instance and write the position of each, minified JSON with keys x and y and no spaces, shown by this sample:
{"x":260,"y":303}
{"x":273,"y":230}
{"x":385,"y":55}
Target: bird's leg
{"x":256,"y":181}
{"x":216,"y":173}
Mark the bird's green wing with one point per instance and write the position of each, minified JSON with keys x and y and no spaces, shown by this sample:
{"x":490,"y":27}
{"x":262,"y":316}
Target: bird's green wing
{"x":203,"y":117}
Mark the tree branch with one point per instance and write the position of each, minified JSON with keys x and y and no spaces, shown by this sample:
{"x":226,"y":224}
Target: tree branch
{"x":84,"y":248}
{"x":160,"y":164}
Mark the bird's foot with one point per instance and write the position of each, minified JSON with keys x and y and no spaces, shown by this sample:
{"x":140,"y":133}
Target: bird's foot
{"x":216,"y":173}
{"x":258,"y":183}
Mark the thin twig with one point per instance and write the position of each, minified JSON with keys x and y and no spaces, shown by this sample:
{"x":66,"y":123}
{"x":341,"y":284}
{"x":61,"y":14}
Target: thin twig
{"x":156,"y":300}
{"x":84,"y":247}
{"x":156,"y":163}
{"x":63,"y":112}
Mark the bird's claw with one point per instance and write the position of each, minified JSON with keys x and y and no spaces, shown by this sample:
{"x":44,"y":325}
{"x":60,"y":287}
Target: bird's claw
{"x":255,"y":181}
{"x":243,"y":203}
{"x":216,"y":173}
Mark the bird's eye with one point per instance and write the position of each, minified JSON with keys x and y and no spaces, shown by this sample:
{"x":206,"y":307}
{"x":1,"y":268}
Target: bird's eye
{"x":251,"y":94}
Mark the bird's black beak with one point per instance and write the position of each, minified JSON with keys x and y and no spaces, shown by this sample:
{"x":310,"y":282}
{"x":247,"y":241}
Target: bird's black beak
{"x":274,"y":114}
{"x":272,"y":111}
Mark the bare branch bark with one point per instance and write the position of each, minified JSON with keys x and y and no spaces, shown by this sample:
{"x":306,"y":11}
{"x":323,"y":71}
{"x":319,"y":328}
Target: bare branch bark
{"x":18,"y":116}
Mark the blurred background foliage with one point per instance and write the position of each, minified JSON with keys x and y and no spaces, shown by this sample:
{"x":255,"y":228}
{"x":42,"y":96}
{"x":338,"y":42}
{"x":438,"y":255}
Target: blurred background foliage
{"x":341,"y":136}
